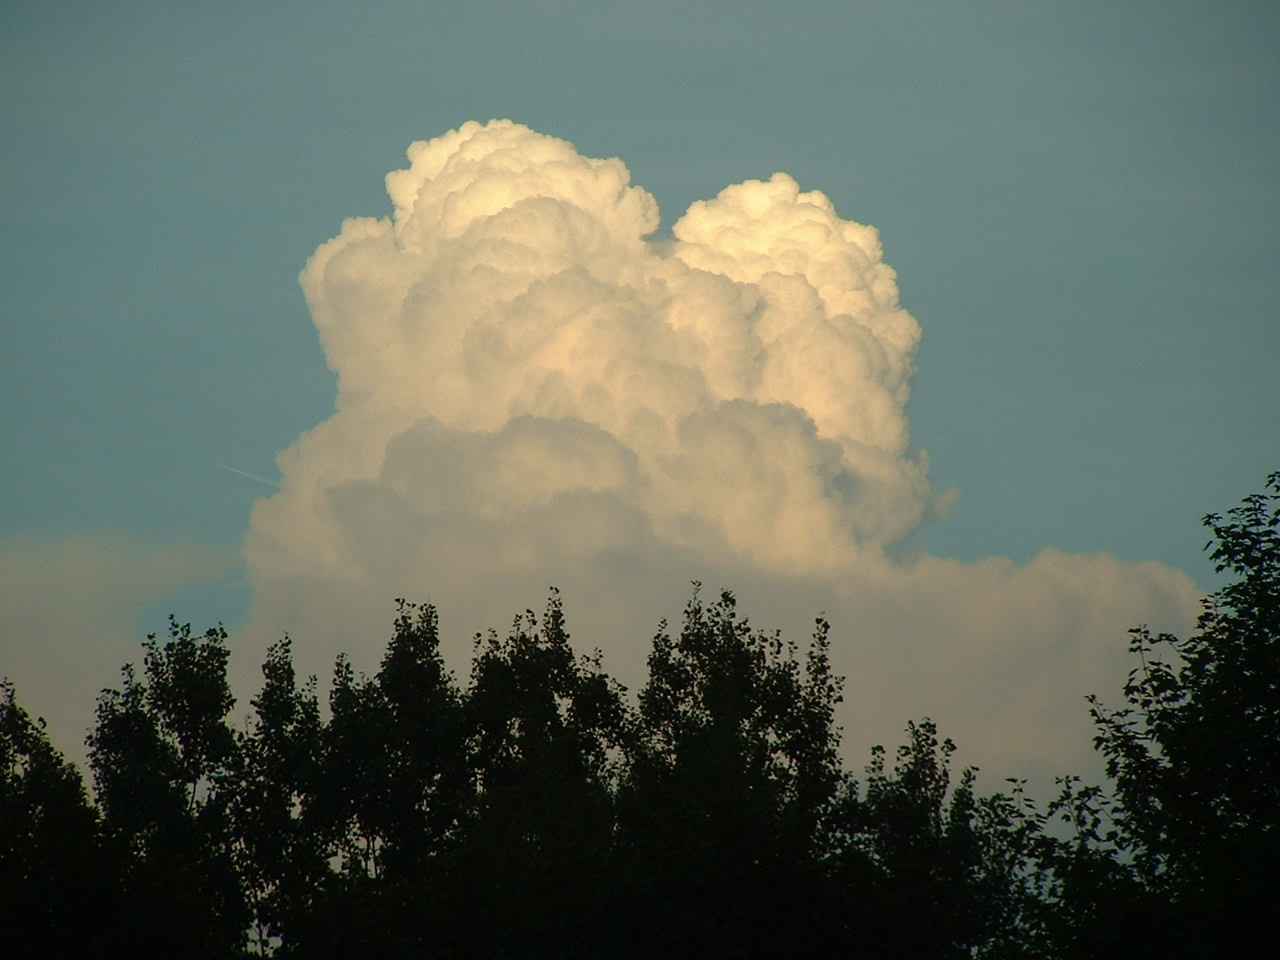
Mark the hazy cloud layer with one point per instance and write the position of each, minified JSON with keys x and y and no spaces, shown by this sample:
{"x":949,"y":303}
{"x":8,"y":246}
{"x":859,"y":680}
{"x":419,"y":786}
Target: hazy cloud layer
{"x":532,"y":391}
{"x":72,"y":612}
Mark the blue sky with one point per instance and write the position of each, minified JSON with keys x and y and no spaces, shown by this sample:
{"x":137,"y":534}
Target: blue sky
{"x":1080,"y":202}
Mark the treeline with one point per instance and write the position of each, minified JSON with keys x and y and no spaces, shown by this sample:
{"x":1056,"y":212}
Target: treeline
{"x":538,"y":811}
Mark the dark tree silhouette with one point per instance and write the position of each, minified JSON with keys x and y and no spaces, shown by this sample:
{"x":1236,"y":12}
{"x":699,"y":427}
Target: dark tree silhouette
{"x":162,"y":753}
{"x":542,"y":722}
{"x":924,"y":867}
{"x":279,"y":856}
{"x":1196,"y":755}
{"x":57,"y":895}
{"x":539,"y":813}
{"x":729,"y":771}
{"x":389,"y":799}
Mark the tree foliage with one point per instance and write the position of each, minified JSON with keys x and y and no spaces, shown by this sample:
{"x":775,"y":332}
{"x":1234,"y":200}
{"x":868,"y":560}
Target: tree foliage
{"x":730,"y":767}
{"x":56,"y":890}
{"x":1196,"y":753}
{"x":537,"y":810}
{"x":279,"y":854}
{"x":162,"y":754}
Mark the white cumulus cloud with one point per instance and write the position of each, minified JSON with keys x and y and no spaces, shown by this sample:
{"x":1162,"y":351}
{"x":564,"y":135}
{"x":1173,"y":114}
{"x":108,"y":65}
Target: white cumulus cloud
{"x":534,"y":390}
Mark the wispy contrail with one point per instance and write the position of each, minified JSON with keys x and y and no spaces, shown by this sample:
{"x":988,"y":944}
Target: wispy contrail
{"x":251,"y":476}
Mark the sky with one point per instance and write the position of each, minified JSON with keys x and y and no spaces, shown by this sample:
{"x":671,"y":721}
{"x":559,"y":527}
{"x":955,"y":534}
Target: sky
{"x":948,"y":320}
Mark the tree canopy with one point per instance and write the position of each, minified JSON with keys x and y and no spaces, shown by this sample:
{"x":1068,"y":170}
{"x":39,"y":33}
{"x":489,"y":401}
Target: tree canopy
{"x":537,"y":809}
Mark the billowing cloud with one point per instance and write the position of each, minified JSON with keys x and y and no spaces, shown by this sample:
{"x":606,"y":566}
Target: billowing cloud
{"x":73,"y":610}
{"x":534,"y":390}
